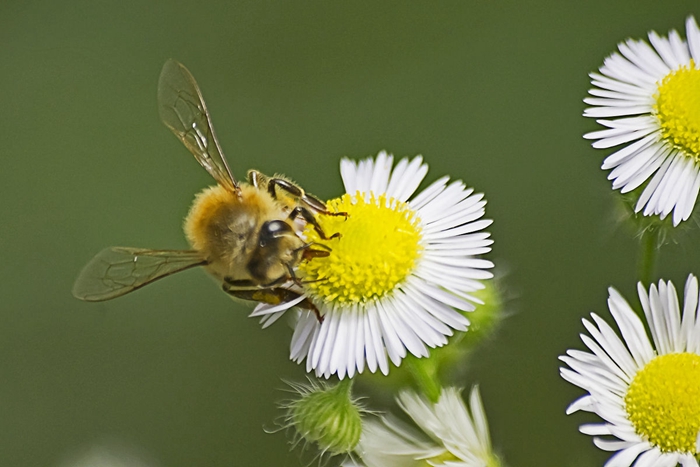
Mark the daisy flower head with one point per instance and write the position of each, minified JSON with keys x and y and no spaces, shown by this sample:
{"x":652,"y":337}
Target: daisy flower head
{"x":648,"y":98}
{"x":451,"y":435}
{"x":400,"y":274}
{"x":646,"y":390}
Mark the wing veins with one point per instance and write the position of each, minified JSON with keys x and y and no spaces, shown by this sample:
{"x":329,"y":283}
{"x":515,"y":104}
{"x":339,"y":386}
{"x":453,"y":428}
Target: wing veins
{"x":179,"y":93}
{"x":117,"y":271}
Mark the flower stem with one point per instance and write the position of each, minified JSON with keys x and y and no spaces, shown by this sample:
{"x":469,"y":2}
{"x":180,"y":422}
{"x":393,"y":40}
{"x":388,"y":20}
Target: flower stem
{"x":425,"y":375}
{"x":648,"y":254}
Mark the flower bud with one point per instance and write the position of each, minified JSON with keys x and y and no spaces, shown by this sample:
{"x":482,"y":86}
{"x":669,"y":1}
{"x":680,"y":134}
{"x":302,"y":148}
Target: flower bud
{"x":327,"y":415}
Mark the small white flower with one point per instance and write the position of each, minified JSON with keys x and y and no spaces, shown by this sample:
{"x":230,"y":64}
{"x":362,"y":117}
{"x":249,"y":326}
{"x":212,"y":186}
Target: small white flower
{"x":649,"y":100}
{"x":400,"y":275}
{"x":452,"y":436}
{"x":647,"y":392}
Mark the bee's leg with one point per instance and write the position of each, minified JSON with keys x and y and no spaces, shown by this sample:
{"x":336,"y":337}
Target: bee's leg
{"x":274,"y":296}
{"x":292,"y":276}
{"x":311,"y":219}
{"x":256,"y":179}
{"x":309,"y":253}
{"x":247,"y":284}
{"x":307,"y":304}
{"x":296,"y":191}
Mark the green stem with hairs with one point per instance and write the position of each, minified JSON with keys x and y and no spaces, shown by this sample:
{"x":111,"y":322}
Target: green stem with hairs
{"x":344,"y":386}
{"x":648,"y":254}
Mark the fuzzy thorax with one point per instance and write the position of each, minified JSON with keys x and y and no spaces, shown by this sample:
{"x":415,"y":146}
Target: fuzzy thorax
{"x":225,"y":228}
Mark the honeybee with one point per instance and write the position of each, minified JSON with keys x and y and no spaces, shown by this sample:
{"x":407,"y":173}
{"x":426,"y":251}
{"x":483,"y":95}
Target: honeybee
{"x":247,"y":235}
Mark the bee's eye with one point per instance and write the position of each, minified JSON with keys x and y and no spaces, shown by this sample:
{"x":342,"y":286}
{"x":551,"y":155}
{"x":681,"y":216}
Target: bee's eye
{"x":276,"y":226}
{"x":271,"y":230}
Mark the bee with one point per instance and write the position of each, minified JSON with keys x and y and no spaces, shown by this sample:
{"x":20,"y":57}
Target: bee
{"x":247,"y":235}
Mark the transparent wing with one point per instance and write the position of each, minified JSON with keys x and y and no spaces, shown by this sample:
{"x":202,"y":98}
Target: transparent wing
{"x":183,"y":110}
{"x":116,"y":271}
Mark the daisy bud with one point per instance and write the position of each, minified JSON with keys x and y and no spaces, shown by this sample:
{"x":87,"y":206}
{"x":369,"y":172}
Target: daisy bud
{"x":328,"y":416}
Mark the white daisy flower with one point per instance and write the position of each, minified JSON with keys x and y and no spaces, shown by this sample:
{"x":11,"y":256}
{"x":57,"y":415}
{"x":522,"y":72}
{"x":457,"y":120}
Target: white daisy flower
{"x":452,"y":435}
{"x":648,"y":98}
{"x":400,"y":275}
{"x":646,"y":391}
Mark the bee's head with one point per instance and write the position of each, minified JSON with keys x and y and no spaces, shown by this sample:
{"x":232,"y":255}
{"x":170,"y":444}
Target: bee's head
{"x":278,"y":251}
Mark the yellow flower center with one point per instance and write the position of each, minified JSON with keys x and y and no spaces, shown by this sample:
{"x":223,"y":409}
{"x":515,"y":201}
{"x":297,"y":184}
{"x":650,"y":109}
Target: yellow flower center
{"x":663,"y":402}
{"x":678,"y":109}
{"x":379,"y":244}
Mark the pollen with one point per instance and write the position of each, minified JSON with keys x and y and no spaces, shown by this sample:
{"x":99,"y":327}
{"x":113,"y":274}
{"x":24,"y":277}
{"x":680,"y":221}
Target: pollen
{"x":663,"y":402}
{"x":677,"y":108}
{"x":377,"y":249}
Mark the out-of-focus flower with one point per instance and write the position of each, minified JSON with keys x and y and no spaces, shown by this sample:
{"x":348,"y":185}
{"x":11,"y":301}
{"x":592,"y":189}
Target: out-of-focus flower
{"x":452,"y":435}
{"x":110,"y":453}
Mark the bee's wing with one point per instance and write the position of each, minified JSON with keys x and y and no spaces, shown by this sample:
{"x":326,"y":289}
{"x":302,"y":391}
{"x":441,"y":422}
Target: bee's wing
{"x":183,"y":110}
{"x":116,"y":271}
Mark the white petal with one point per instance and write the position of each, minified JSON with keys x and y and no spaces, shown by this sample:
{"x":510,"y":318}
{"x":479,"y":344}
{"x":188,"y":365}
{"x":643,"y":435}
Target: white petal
{"x":625,"y":457}
{"x":392,"y":342}
{"x":652,"y":186}
{"x":693,"y":36}
{"x":663,"y":47}
{"x":265,"y":309}
{"x":374,"y":328}
{"x":402,"y":188}
{"x":381,"y":171}
{"x":658,"y":154}
{"x":680,"y":50}
{"x":631,"y":328}
{"x":348,"y":172}
{"x":338,"y":352}
{"x":324,"y":347}
{"x":303,"y":334}
{"x":690,"y":306}
{"x":429,"y":193}
{"x":629,"y":151}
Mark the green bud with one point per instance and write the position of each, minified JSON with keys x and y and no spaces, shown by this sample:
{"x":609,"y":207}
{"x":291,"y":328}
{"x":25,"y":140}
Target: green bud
{"x":327,"y":415}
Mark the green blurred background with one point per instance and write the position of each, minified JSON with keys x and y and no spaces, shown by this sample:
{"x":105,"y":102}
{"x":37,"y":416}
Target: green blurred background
{"x":176,"y":374}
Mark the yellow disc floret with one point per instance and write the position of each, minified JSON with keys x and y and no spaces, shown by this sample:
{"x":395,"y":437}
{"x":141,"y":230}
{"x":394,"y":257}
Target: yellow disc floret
{"x":678,"y":109}
{"x":378,"y":246}
{"x":663,"y":402}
